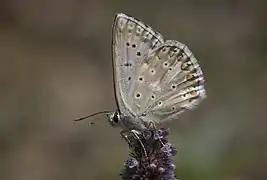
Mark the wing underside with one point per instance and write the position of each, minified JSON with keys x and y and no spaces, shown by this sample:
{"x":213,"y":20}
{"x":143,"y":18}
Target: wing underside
{"x":168,"y":82}
{"x":131,"y":42}
{"x":154,"y":80}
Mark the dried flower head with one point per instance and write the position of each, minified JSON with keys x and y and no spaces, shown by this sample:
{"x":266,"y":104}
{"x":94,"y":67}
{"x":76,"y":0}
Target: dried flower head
{"x":150,"y":156}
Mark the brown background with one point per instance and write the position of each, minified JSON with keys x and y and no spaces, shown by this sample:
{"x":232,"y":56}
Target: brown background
{"x":56,"y":65}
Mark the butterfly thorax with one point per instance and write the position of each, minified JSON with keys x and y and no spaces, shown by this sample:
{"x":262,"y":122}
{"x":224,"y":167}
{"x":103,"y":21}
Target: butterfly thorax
{"x":117,"y":119}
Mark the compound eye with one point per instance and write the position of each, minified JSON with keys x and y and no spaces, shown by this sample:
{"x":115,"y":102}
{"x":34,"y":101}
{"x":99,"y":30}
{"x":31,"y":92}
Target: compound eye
{"x":116,"y":117}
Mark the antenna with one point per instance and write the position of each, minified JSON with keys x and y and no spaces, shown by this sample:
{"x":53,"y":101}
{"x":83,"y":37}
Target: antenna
{"x":91,"y":115}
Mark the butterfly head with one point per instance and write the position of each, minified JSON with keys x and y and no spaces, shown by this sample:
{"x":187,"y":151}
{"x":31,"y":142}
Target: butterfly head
{"x":115,"y":119}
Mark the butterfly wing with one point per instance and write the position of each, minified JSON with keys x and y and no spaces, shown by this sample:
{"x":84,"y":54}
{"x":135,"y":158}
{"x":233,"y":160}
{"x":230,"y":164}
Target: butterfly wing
{"x":131,"y":42}
{"x":168,"y":82}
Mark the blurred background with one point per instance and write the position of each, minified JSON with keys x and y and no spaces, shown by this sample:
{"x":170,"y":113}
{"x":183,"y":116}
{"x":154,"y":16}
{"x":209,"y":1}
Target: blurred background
{"x":56,"y":66}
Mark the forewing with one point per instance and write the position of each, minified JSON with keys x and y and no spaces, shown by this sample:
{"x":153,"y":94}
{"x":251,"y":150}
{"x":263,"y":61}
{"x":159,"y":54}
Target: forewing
{"x":131,"y":42}
{"x":168,"y":82}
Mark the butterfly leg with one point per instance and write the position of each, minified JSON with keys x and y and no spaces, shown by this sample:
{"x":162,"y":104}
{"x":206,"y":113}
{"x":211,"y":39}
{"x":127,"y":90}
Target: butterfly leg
{"x":152,"y":126}
{"x":124,"y":135}
{"x":136,"y":135}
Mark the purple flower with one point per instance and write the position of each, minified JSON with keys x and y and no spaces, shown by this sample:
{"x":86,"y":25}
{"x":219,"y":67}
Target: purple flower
{"x":131,"y":163}
{"x":150,"y":156}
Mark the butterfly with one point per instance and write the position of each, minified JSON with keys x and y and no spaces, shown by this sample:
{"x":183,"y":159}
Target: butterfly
{"x":154,"y":80}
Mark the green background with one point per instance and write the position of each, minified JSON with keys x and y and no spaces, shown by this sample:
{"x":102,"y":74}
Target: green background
{"x":56,"y":65}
